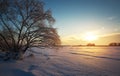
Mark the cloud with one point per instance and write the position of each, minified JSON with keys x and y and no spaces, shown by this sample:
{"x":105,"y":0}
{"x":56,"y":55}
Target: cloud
{"x":103,"y":39}
{"x":71,"y":40}
{"x":112,"y":34}
{"x":108,"y":38}
{"x":112,"y":18}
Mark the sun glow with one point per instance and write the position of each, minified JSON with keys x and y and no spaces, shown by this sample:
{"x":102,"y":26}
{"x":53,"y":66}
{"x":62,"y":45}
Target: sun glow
{"x":89,"y":36}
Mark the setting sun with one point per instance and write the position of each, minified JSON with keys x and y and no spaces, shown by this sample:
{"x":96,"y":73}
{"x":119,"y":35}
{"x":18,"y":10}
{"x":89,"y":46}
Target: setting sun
{"x":90,"y":37}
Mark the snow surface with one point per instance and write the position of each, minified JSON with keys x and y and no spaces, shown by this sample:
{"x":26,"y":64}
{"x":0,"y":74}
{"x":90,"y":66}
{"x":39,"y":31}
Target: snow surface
{"x":65,"y":61}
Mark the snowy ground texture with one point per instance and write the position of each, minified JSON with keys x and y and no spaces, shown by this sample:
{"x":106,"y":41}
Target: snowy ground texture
{"x":65,"y":61}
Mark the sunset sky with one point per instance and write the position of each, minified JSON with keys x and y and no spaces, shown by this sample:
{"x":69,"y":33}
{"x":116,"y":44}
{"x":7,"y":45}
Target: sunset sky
{"x":84,"y":21}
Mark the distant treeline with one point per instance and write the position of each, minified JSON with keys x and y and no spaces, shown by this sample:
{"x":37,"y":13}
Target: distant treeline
{"x":114,"y":44}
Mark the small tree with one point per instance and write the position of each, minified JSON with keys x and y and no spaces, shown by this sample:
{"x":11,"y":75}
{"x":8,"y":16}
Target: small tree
{"x":21,"y":23}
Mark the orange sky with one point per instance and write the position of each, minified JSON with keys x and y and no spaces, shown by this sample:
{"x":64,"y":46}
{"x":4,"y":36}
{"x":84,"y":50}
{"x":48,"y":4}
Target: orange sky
{"x":102,"y":40}
{"x":76,"y":17}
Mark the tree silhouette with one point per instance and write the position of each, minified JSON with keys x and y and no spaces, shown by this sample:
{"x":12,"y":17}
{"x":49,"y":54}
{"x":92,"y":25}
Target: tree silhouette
{"x":22,"y":23}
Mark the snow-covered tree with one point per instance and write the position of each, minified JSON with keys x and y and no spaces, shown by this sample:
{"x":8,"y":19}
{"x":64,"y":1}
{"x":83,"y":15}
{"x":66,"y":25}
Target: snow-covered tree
{"x":21,"y":25}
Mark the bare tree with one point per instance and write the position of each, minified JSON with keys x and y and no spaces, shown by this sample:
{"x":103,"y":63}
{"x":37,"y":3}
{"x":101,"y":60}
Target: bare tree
{"x":21,"y":25}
